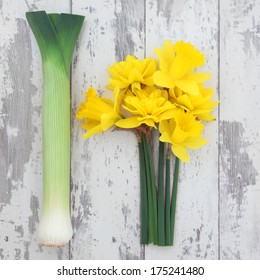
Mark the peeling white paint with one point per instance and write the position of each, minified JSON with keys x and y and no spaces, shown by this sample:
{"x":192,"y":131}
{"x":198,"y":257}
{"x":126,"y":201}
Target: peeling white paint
{"x":12,"y":131}
{"x":240,"y":129}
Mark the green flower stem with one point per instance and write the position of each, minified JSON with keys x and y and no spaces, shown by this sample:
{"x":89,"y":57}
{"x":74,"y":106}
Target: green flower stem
{"x":143,"y":194}
{"x":149,"y":193}
{"x":174,"y":196}
{"x":168,"y":202}
{"x":161,"y":195}
{"x":153,"y":187}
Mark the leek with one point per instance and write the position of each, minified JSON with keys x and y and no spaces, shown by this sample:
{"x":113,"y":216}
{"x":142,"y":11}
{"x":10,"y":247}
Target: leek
{"x":56,"y":35}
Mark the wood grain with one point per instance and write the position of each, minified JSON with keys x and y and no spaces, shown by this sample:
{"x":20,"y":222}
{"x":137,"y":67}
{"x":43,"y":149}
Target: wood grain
{"x":218,"y":214}
{"x":105,"y":177}
{"x":239,"y":129}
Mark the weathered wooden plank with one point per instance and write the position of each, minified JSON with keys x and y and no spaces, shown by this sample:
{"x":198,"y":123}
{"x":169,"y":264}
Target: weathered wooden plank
{"x":20,"y":132}
{"x":105,"y":177}
{"x":240,"y":129}
{"x":196,"y":231}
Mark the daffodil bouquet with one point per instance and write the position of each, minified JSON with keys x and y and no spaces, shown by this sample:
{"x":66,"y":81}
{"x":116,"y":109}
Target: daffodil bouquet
{"x":150,"y":95}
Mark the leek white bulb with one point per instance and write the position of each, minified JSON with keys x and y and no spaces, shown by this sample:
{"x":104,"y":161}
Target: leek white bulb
{"x":55,"y":228}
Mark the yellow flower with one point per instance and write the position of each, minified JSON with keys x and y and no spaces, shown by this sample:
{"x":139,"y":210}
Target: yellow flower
{"x":148,"y":106}
{"x":200,"y":105}
{"x":177,"y":63}
{"x":99,"y":113}
{"x":132,"y":71}
{"x":182,"y":131}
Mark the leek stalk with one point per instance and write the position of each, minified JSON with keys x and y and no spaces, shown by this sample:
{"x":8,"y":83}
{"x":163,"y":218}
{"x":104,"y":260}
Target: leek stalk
{"x":56,"y":35}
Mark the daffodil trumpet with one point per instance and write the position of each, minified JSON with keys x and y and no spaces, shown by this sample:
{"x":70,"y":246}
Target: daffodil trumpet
{"x":148,"y":95}
{"x":56,"y":35}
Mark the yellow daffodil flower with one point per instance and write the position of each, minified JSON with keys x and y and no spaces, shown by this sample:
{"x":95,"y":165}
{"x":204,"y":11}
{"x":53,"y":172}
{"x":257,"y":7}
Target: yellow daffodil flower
{"x":177,"y":63}
{"x":147,"y":107}
{"x":98,"y":113}
{"x":200,"y":105}
{"x":132,"y":71}
{"x":182,"y":131}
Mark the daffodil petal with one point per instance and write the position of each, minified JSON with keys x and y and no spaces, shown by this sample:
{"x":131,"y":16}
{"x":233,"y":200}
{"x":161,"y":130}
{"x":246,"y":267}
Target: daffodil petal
{"x":179,"y":68}
{"x":199,"y":112}
{"x":195,"y":142}
{"x":164,"y":127}
{"x":118,"y":83}
{"x":135,"y":76}
{"x":185,"y":101}
{"x":179,"y":135}
{"x":166,"y":56}
{"x":207,"y":117}
{"x":91,"y":92}
{"x":162,"y":79}
{"x":180,"y":152}
{"x":107,"y":101}
{"x":116,"y":75}
{"x":148,"y":81}
{"x":189,"y":53}
{"x":109,"y":119}
{"x":197,"y":77}
{"x":93,"y":131}
{"x":166,"y":115}
{"x":165,"y":137}
{"x":150,"y":67}
{"x":89,"y":124}
{"x":149,"y":122}
{"x":130,"y":122}
{"x":188,"y":86}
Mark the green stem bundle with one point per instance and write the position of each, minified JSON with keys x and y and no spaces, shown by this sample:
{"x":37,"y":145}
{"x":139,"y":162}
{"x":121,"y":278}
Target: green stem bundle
{"x":158,"y":205}
{"x":150,"y":192}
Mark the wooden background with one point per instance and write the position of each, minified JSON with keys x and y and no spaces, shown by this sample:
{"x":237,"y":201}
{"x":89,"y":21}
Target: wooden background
{"x":218,"y":211}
